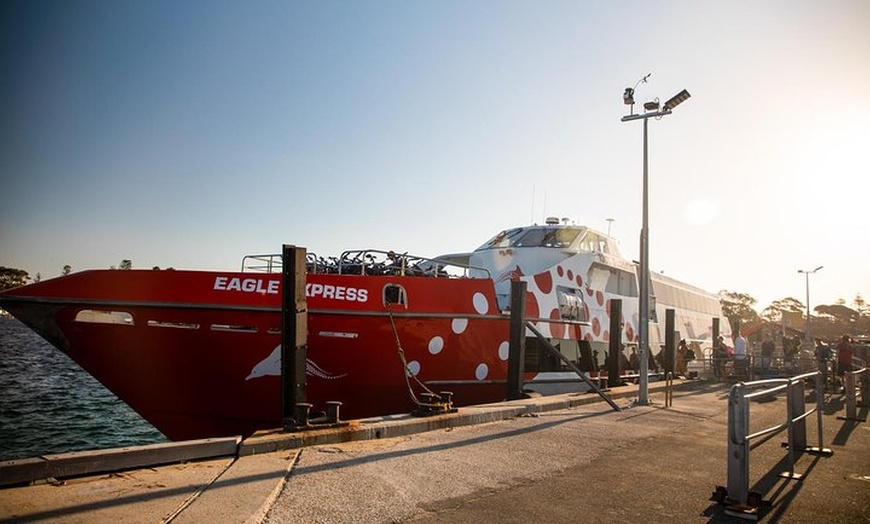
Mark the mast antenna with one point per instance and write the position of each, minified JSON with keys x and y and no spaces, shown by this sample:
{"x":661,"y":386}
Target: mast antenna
{"x":532,"y":216}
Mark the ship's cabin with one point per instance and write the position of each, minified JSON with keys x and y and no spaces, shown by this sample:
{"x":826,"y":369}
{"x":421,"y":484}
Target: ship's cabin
{"x":529,"y":250}
{"x":568,"y":238}
{"x":535,"y":248}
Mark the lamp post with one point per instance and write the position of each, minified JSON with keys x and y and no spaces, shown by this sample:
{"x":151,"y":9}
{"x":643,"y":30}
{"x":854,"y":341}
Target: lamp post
{"x":808,"y":343}
{"x":651,"y":110}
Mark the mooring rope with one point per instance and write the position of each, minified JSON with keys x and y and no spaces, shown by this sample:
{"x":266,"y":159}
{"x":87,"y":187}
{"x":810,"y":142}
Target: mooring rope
{"x":407,"y":372}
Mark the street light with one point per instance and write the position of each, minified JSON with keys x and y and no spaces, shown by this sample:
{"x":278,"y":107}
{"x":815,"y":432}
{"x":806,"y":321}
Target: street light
{"x":676,"y":100}
{"x":651,"y":110}
{"x":808,"y":343}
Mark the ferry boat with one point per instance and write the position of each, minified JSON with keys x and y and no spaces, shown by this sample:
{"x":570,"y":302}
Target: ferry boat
{"x":197,"y":353}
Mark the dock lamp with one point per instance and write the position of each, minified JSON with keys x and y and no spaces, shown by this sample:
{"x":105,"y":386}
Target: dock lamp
{"x":651,"y":110}
{"x":809,"y":339}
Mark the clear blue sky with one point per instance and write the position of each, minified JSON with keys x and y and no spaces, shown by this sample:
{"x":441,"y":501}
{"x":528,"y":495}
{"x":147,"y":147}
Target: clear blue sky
{"x":187,"y":134}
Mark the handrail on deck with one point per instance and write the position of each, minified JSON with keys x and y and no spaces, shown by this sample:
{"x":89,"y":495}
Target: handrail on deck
{"x":369,"y":262}
{"x":378,"y":262}
{"x":268,"y":263}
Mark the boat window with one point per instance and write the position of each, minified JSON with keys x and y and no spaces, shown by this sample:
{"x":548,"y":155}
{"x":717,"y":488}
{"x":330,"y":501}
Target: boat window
{"x":177,"y":325}
{"x":557,"y":238}
{"x":93,"y":316}
{"x":503,"y":239}
{"x":621,"y":282}
{"x":594,"y":243}
{"x":539,"y":359}
{"x":560,"y":238}
{"x":235,"y":329}
{"x":395,"y":294}
{"x":570,"y":303}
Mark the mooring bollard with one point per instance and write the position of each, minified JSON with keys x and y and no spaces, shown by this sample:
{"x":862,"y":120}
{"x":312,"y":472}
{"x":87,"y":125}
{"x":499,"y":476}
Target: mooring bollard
{"x":303,"y":413}
{"x":332,"y":408}
{"x":446,"y":398}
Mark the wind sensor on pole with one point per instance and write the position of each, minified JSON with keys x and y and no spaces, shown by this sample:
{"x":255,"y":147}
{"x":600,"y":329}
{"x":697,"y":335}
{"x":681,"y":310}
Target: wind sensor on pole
{"x":628,"y":96}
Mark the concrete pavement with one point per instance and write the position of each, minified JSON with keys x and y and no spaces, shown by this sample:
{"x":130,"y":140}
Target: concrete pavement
{"x":567,"y":458}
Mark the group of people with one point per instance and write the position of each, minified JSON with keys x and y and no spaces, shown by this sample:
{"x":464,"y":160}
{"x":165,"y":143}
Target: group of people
{"x":682,"y":356}
{"x":738,"y":355}
{"x":842,"y":353}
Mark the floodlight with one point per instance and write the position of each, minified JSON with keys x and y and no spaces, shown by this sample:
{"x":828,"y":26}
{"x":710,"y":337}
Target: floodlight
{"x":651,"y":106}
{"x":676,"y":100}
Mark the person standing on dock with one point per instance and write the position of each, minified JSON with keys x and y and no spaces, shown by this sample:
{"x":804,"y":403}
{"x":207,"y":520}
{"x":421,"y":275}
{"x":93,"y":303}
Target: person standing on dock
{"x":739,"y":356}
{"x":767,"y":348}
{"x":681,"y":363}
{"x":845,"y":351}
{"x":720,"y":354}
{"x":789,"y":350}
{"x":824,"y":355}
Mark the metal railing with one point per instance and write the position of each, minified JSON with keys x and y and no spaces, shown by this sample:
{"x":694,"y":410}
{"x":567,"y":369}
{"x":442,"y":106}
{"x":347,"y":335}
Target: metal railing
{"x":739,"y":437}
{"x":851,"y":379}
{"x":369,"y":262}
{"x":269,"y":263}
{"x":753,"y":367}
{"x":377,"y":262}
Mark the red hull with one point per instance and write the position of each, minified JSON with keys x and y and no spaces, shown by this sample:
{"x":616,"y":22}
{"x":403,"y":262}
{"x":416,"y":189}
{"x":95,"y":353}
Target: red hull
{"x":195,"y":352}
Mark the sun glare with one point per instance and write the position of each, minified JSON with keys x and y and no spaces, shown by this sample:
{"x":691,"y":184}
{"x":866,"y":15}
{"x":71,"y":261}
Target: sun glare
{"x":825,"y":182}
{"x":700,"y":212}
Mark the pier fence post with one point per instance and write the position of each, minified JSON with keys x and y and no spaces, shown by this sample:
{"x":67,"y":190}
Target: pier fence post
{"x":715,"y":334}
{"x":850,"y":387}
{"x":517,"y":341}
{"x":865,"y":388}
{"x":670,"y":340}
{"x":738,"y":445}
{"x":294,"y":335}
{"x":615,"y":345}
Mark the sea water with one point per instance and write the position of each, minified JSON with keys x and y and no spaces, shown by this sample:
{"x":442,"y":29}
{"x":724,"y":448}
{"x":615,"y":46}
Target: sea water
{"x":48,"y":404}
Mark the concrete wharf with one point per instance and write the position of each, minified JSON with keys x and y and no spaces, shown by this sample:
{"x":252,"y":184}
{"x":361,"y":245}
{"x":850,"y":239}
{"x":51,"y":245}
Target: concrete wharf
{"x":561,"y":458}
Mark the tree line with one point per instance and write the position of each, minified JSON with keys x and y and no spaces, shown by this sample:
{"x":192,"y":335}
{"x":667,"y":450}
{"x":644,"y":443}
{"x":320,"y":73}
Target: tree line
{"x":828,"y":321}
{"x":13,"y":277}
